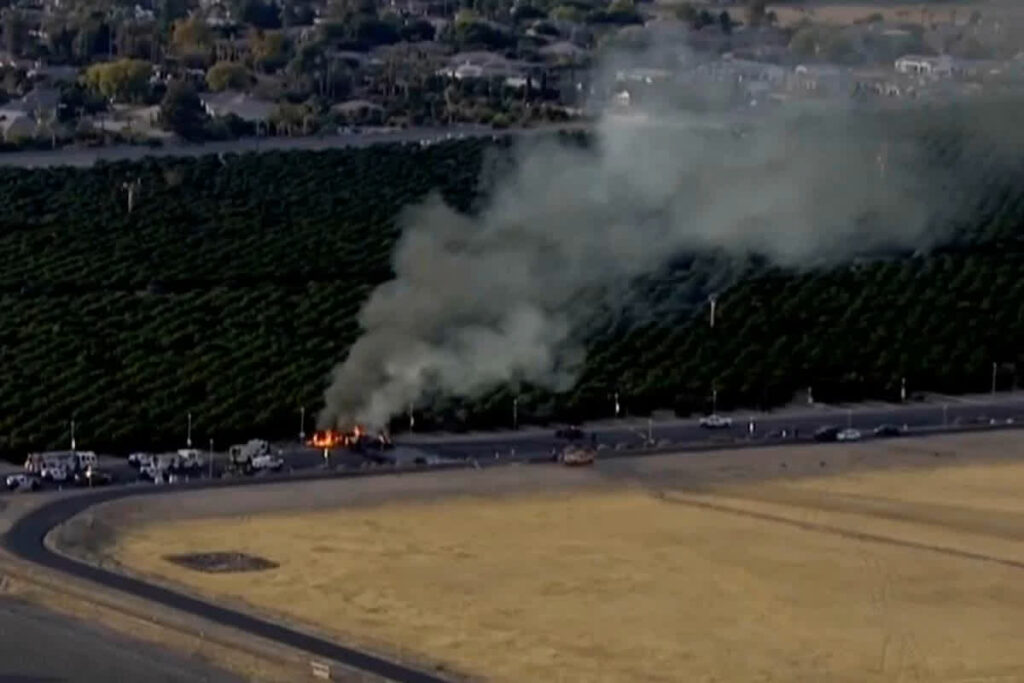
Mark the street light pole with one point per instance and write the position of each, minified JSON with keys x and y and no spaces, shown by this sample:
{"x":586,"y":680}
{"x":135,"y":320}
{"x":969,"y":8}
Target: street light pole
{"x":515,"y":413}
{"x":994,"y":366}
{"x":714,"y":400}
{"x":412,"y":418}
{"x":72,"y":434}
{"x":903,"y":390}
{"x":302,"y":424}
{"x":188,"y":437}
{"x":712,"y":302}
{"x":211,"y":458}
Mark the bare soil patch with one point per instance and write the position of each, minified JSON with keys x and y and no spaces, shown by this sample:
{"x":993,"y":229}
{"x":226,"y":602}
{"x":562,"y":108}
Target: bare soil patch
{"x":222,"y":562}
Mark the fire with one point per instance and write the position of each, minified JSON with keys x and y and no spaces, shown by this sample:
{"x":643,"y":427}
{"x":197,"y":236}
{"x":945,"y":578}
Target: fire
{"x":326,"y":439}
{"x":331,"y":438}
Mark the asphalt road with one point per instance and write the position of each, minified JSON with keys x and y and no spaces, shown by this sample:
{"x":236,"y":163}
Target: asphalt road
{"x":83,"y":157}
{"x":533,"y":443}
{"x":25,"y":540}
{"x":25,"y":537}
{"x":39,"y":646}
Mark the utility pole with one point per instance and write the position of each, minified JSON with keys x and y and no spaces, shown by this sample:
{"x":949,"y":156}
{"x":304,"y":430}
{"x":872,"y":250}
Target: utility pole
{"x":188,"y":435}
{"x":72,"y":434}
{"x":515,"y":413}
{"x":131,"y":188}
{"x":994,"y":369}
{"x":712,"y":302}
{"x":302,"y":424}
{"x":903,"y":390}
{"x":412,"y":418}
{"x":618,"y":408}
{"x":650,"y":431}
{"x":714,"y":400}
{"x":211,"y":458}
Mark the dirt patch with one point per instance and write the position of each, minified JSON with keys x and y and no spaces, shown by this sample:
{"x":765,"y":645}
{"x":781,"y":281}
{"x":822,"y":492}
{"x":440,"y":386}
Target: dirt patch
{"x":222,"y":562}
{"x":85,"y":536}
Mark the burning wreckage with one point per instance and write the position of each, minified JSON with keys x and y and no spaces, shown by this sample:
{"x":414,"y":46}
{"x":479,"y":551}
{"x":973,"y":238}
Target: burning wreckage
{"x":371,"y":447}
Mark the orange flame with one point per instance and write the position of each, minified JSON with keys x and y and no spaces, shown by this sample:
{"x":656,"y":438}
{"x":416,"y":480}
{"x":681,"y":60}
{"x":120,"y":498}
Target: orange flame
{"x":331,"y":438}
{"x":326,"y":439}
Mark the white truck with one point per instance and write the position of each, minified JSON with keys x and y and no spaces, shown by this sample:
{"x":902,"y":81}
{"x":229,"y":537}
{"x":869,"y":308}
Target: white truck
{"x":59,"y":465}
{"x":254,"y":455}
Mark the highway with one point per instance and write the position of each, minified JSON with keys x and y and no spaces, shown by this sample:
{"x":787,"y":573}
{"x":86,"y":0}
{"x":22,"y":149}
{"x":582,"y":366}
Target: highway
{"x":25,"y":539}
{"x":678,"y":434}
{"x":89,"y":156}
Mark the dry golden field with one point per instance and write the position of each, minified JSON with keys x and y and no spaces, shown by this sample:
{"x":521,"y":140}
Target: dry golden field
{"x":873,"y":575}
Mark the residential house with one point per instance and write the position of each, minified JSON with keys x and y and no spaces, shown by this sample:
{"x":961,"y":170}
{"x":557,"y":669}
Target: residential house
{"x":53,"y":73}
{"x":250,"y":109}
{"x":564,"y":52}
{"x":17,"y":125}
{"x":24,"y":117}
{"x":925,"y":66}
{"x":823,"y":79}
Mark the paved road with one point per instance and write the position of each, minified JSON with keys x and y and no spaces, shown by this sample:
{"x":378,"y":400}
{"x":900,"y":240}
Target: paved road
{"x":25,"y":537}
{"x":534,"y":443}
{"x":40,"y":646}
{"x":25,"y":540}
{"x":83,"y":157}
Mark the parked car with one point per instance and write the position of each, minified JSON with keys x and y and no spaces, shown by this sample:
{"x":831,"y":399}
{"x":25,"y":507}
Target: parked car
{"x":715,"y":422}
{"x":849,"y":434}
{"x":887,"y":430}
{"x":139,"y":459}
{"x":22,"y":482}
{"x":93,"y":477}
{"x":827,"y":434}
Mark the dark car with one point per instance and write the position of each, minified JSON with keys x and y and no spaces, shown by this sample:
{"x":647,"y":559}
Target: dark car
{"x":92,"y":477}
{"x":827,"y":434}
{"x":887,"y":430}
{"x":569,"y":433}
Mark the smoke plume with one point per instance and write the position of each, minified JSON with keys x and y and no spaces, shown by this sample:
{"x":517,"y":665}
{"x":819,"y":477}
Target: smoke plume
{"x":478,"y":301}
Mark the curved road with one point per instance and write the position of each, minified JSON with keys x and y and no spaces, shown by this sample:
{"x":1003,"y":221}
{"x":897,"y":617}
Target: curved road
{"x":26,"y":537}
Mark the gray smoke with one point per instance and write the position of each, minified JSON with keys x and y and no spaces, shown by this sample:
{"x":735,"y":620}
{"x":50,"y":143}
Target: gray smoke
{"x":479,"y":301}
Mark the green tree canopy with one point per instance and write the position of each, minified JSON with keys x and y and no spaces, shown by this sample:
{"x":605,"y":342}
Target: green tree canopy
{"x":182,"y":112}
{"x":124,"y":79}
{"x":227,"y":76}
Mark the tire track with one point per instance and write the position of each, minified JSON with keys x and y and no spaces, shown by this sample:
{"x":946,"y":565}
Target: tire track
{"x":836,"y":531}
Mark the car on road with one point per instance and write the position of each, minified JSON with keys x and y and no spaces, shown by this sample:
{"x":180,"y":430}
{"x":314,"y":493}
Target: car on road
{"x":887,"y":430}
{"x":570,"y":433}
{"x":93,"y":477}
{"x":139,"y":459}
{"x":827,"y":434}
{"x":22,"y":482}
{"x":849,"y":434}
{"x":715,"y":422}
{"x":267,"y":463}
